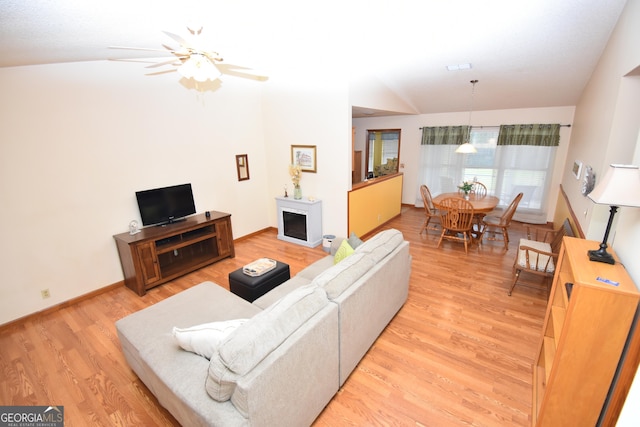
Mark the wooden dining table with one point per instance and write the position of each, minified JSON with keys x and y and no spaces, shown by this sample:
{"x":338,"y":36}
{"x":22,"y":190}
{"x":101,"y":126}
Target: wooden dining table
{"x":481,"y":206}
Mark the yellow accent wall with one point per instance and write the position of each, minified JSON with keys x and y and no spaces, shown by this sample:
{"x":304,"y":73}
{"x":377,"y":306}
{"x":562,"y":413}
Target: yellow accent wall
{"x":374,"y":202}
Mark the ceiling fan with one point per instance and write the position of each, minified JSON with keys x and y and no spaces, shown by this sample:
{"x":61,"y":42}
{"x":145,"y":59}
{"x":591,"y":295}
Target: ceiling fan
{"x":193,"y":60}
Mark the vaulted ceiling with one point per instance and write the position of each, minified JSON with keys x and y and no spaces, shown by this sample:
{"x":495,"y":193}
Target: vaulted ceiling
{"x":525,"y":54}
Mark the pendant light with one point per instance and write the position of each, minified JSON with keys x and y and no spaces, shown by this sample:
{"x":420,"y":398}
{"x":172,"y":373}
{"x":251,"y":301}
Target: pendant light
{"x":467,"y":148}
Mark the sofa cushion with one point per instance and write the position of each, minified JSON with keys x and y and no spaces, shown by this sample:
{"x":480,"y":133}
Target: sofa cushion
{"x":354,"y":240}
{"x":251,"y":342}
{"x":382,"y":244}
{"x":342,"y":275}
{"x":280,"y":291}
{"x":310,"y":272}
{"x":343,"y":252}
{"x":204,"y":339}
{"x":537,"y":261}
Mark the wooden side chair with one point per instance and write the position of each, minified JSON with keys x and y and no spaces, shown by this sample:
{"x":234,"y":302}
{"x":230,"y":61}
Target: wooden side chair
{"x":479,"y":189}
{"x":500,"y":224}
{"x":456,"y":217}
{"x":430,"y":211}
{"x":538,"y":253}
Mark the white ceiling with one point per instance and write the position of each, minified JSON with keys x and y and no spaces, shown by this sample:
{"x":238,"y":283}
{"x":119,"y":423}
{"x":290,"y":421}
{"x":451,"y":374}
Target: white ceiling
{"x":525,"y":54}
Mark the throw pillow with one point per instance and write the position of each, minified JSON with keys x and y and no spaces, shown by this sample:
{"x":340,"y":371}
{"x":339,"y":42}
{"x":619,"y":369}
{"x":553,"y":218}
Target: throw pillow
{"x":204,"y":339}
{"x":343,"y":251}
{"x":354,"y":240}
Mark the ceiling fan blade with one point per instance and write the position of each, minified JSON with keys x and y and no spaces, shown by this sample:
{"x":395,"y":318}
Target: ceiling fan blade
{"x":181,"y":51}
{"x":142,"y":48}
{"x":169,"y":62}
{"x":138,"y":60}
{"x":238,"y":71}
{"x":157,"y":73}
{"x":177,"y":38}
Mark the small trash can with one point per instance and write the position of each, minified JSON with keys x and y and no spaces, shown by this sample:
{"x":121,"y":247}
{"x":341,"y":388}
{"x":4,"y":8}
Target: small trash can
{"x":327,"y":239}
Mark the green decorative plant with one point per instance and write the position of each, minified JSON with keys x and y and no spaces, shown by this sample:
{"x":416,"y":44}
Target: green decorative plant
{"x":466,"y":187}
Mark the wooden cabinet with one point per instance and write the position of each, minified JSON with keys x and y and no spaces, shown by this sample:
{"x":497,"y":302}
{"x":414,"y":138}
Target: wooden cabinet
{"x":586,"y":325}
{"x":159,"y":254}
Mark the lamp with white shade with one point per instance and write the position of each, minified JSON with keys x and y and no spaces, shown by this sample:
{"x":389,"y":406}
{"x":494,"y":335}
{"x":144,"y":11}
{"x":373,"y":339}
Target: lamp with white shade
{"x":619,"y":187}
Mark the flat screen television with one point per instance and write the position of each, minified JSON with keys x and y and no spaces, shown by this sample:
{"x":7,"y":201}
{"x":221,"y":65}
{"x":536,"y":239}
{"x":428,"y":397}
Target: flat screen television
{"x":164,"y":205}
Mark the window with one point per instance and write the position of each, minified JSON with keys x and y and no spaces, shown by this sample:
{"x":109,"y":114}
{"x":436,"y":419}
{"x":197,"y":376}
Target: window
{"x":506,"y":170}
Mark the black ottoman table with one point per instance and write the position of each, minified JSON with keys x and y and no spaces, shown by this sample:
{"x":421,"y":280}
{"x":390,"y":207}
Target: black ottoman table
{"x":252,"y":288}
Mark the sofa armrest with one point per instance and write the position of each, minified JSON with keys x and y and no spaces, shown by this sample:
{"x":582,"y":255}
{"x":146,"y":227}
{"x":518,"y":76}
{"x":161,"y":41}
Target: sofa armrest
{"x":285,"y":376}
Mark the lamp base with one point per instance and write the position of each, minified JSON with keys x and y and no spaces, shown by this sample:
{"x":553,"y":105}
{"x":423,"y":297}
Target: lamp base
{"x":601,"y":255}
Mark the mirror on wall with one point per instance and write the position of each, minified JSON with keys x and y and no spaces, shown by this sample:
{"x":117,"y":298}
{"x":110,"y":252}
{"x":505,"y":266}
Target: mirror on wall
{"x":383,"y":152}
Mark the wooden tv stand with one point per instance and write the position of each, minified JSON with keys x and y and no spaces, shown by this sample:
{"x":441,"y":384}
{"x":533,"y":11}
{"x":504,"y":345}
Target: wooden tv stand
{"x":158,"y":254}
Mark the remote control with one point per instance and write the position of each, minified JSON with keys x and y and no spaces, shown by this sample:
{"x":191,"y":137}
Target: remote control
{"x":607,"y":281}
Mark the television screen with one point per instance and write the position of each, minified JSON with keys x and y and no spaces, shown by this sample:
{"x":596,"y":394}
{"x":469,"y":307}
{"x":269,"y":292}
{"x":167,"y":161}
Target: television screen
{"x":165,"y":205}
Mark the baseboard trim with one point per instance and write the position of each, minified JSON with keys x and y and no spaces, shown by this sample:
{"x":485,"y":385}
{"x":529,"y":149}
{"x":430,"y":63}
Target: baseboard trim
{"x":92,"y":294}
{"x":60,"y":306}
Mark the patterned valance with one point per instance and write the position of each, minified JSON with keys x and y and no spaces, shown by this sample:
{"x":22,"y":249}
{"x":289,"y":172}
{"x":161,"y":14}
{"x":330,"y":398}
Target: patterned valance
{"x":444,"y":135}
{"x":544,"y":135}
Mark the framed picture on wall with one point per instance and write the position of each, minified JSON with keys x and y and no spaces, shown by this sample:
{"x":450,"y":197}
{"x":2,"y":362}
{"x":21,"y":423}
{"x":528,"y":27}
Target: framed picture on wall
{"x":305,"y":156}
{"x":577,"y":168}
{"x":242,"y":166}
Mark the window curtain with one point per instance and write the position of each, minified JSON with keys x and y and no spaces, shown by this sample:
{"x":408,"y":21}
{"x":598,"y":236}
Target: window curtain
{"x":444,"y":135}
{"x":441,"y":168}
{"x":510,"y":159}
{"x":541,"y":135}
{"x":526,"y":154}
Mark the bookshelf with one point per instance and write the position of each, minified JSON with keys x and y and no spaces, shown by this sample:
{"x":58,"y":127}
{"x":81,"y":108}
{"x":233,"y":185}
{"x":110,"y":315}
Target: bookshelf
{"x":586,"y":326}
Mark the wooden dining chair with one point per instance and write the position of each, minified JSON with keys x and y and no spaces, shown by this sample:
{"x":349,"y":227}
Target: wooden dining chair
{"x":538,"y":253}
{"x":492,"y":225}
{"x":456,"y":217}
{"x":479,"y":189}
{"x":430,"y":211}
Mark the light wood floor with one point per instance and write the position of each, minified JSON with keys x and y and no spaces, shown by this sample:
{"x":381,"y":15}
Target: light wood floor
{"x":458,"y":353}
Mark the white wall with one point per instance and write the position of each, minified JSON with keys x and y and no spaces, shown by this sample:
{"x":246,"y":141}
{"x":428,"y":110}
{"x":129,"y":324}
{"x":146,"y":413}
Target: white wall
{"x":78,"y":139}
{"x":302,"y":108}
{"x":411,"y":136}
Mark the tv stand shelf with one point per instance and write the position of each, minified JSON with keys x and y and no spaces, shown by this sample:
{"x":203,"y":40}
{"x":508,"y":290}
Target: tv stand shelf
{"x":158,"y":254}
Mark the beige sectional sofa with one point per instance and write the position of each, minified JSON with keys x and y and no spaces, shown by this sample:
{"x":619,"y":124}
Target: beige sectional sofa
{"x":284,"y":363}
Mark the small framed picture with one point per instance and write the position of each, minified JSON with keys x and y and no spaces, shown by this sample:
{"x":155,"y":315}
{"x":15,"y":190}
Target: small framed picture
{"x":577,"y":169}
{"x":305,"y":156}
{"x":242,"y":165}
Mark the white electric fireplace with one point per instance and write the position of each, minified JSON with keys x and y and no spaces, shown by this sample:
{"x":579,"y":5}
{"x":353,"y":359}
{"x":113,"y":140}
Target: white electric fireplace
{"x":299,"y":221}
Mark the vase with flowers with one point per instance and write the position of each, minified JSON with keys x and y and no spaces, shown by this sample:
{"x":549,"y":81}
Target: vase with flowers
{"x":466,"y":188}
{"x":295,"y":171}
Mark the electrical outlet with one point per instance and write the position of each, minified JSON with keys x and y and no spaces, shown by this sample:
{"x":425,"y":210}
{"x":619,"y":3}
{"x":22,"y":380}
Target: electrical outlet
{"x":45,"y":293}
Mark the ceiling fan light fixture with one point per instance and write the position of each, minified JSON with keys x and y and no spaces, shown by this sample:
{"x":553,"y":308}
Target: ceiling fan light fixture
{"x":199,"y":68}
